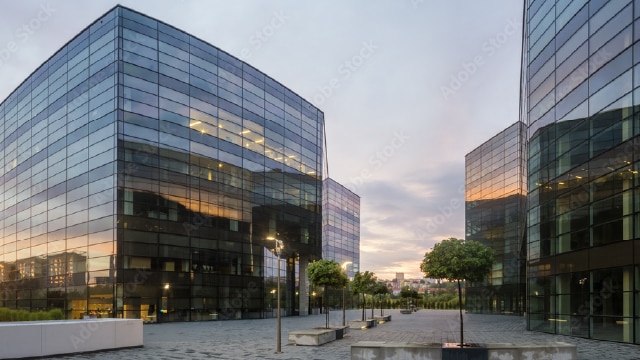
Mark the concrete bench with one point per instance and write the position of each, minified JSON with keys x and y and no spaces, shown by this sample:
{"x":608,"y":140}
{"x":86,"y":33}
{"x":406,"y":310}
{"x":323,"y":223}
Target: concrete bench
{"x":404,"y":350}
{"x":45,"y":338}
{"x":366,"y":324}
{"x":317,"y":336}
{"x":383,"y":319}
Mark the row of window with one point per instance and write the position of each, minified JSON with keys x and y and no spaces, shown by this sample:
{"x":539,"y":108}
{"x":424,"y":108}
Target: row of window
{"x":58,"y":138}
{"x":55,"y":67}
{"x":212,"y":78}
{"x":577,"y":69}
{"x":252,"y":79}
{"x":77,"y":97}
{"x":204,"y":125}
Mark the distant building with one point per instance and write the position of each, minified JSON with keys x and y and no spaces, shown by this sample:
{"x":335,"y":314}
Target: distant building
{"x":341,"y":225}
{"x":495,"y":208}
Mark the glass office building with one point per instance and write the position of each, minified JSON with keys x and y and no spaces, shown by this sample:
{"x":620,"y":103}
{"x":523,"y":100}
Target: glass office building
{"x":146,"y":174}
{"x":495,"y":209}
{"x":341,"y":225}
{"x":580,"y":96}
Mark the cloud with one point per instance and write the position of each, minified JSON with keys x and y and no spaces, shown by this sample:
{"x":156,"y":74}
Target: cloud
{"x":401,"y":220}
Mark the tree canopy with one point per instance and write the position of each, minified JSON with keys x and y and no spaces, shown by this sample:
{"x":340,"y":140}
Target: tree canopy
{"x":327,"y":273}
{"x":380,"y":288}
{"x":456,"y":259}
{"x":408,"y":293}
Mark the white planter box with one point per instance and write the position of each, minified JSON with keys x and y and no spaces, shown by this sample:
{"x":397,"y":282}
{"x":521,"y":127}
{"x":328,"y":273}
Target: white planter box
{"x":45,"y":338}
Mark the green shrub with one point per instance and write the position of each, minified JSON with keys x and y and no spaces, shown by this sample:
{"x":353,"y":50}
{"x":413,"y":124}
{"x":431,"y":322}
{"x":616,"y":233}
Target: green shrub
{"x":4,"y":314}
{"x":56,"y":314}
{"x":23,"y":315}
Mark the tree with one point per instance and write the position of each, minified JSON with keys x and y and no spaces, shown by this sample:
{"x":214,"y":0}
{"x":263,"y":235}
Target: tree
{"x":362,"y":284}
{"x":381,"y":289}
{"x":408,"y":293}
{"x":329,"y":274}
{"x":458,"y":260}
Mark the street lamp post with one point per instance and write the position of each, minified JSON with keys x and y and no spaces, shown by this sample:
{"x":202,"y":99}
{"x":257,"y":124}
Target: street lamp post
{"x":344,"y":292}
{"x":278,"y":250}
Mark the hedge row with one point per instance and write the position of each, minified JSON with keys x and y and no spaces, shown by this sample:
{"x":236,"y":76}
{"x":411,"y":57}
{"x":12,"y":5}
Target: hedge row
{"x":23,"y":315}
{"x":441,"y":305}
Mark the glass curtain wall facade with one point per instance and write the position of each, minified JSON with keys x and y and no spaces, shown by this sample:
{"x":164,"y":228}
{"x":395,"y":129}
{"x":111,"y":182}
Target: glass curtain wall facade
{"x":146,"y":174}
{"x":495,"y":212}
{"x":341,"y":225}
{"x":580,"y":96}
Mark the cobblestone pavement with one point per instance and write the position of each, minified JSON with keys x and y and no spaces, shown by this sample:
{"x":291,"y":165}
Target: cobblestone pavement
{"x":256,"y":339}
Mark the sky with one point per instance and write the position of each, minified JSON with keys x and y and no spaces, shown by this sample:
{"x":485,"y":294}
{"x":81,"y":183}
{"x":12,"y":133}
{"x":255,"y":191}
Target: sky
{"x":407,"y":87}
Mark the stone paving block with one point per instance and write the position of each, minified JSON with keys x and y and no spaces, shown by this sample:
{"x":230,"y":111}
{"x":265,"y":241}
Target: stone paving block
{"x":256,"y":339}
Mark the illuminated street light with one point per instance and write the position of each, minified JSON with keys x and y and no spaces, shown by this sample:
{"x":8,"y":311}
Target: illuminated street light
{"x":279,"y":246}
{"x":344,"y":291}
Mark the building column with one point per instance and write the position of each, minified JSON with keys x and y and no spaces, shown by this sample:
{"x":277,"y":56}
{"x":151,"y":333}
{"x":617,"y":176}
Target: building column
{"x":627,"y":304}
{"x":303,"y":296}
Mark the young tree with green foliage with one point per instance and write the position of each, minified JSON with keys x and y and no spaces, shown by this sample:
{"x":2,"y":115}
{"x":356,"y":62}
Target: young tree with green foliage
{"x":408,"y":293}
{"x":458,"y":260}
{"x":363,"y":284}
{"x":381,"y":289}
{"x":329,"y":274}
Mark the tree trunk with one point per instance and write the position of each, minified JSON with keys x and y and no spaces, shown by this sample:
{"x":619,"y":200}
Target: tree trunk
{"x":461,"y":321}
{"x":372,"y":306}
{"x":326,"y":308}
{"x":381,"y":314}
{"x":363,"y":304}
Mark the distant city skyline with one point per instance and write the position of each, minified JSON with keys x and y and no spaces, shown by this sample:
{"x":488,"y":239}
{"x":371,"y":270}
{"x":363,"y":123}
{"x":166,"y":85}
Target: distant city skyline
{"x":407,"y":89}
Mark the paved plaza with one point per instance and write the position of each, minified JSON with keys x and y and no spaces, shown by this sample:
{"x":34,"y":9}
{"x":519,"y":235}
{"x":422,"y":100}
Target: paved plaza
{"x":256,"y":339}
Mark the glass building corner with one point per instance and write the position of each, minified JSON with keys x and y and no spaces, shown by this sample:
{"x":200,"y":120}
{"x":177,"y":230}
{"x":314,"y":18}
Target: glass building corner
{"x":145,"y":175}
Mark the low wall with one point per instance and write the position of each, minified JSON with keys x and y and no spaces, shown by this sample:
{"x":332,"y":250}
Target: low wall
{"x":46,"y":338}
{"x":551,"y":351}
{"x":404,"y":350}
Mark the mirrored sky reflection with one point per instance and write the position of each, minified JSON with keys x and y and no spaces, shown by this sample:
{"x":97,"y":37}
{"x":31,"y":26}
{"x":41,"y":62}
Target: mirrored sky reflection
{"x":408,"y":87}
